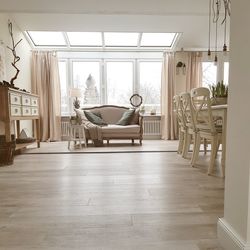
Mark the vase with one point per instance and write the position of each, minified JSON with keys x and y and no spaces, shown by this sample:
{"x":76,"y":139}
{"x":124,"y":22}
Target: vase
{"x":219,"y":101}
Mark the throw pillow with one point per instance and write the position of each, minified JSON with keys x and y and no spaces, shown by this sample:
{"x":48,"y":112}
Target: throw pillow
{"x":126,"y":117}
{"x":135,"y":118}
{"x":81,"y":116}
{"x":94,"y":118}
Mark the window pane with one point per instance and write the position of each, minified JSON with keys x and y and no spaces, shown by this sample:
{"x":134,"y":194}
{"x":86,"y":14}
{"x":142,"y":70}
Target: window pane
{"x":226,"y":72}
{"x":64,"y":89}
{"x":209,"y":74}
{"x":150,"y":84}
{"x":85,"y":38}
{"x":120,"y":39}
{"x":158,"y":39}
{"x":47,"y":38}
{"x":119,"y":82}
{"x":86,"y":76}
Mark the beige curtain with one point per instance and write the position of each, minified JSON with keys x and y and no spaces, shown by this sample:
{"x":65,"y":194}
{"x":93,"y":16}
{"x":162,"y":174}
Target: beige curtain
{"x":46,"y":84}
{"x":194,"y":70}
{"x":168,"y":120}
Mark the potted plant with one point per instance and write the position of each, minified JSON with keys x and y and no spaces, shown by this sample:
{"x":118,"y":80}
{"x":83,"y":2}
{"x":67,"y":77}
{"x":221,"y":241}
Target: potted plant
{"x":142,"y":109}
{"x":219,"y":93}
{"x":75,"y":120}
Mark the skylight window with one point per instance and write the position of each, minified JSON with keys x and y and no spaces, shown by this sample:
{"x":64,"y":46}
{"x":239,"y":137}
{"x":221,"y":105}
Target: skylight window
{"x":117,"y":39}
{"x":158,"y":39}
{"x":87,"y":39}
{"x":103,"y":40}
{"x":47,"y":38}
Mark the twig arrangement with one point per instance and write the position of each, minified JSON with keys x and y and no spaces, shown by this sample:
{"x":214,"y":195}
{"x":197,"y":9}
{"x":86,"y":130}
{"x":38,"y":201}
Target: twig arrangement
{"x":13,"y":50}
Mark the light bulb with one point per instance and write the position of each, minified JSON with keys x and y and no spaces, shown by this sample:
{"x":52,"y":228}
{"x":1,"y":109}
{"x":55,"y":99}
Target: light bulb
{"x":209,"y":53}
{"x":224,"y":49}
{"x":215,"y":60}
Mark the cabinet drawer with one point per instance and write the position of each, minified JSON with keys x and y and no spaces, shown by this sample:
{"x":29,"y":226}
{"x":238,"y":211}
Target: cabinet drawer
{"x":15,"y":99}
{"x":26,"y":100}
{"x":34,"y":111}
{"x":15,"y":110}
{"x":34,"y":102}
{"x":26,"y":111}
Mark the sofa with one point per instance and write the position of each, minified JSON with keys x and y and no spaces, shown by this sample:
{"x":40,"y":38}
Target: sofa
{"x":112,"y":127}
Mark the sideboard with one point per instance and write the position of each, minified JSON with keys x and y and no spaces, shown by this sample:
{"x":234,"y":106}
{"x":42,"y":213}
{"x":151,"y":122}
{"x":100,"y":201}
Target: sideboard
{"x":16,"y":105}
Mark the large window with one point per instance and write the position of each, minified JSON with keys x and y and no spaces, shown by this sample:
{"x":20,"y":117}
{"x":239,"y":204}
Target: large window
{"x":86,"y":76}
{"x":106,"y":81}
{"x":119,"y":82}
{"x":150,"y":84}
{"x":226,"y":72}
{"x":209,"y":74}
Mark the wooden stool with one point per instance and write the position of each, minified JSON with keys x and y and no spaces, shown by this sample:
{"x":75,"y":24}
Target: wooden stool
{"x":77,"y":133}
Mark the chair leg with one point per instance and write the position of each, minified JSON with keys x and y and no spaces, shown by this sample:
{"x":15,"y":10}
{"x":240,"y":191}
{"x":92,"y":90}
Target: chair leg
{"x":214,"y":146}
{"x":205,"y":146}
{"x":133,"y":141}
{"x":186,"y":146}
{"x":181,"y":139}
{"x":140,"y":142}
{"x":196,"y":149}
{"x":194,"y":146}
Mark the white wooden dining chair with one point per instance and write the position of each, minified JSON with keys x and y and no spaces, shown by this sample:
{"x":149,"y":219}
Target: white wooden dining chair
{"x":191,"y":130}
{"x":205,"y":125}
{"x":187,"y":111}
{"x":179,"y":117}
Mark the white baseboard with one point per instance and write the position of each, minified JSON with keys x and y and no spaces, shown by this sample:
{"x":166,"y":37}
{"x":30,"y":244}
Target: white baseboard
{"x":228,"y":238}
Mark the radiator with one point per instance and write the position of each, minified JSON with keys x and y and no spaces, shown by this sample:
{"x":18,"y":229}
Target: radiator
{"x":64,"y":129}
{"x":151,"y":128}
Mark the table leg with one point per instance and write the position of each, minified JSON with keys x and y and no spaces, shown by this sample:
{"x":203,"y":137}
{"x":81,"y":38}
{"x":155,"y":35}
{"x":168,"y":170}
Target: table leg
{"x":38,"y":132}
{"x":17,"y":128}
{"x":8,"y":131}
{"x":224,"y":136}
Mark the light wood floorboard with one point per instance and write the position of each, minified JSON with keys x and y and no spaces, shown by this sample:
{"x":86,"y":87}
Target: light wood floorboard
{"x":108,"y":201}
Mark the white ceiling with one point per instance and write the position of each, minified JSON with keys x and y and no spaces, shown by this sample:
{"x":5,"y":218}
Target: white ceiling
{"x":188,"y":17}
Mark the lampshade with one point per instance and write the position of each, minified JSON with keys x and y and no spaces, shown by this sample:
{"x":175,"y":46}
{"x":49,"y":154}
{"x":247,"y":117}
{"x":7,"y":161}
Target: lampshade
{"x":75,"y":92}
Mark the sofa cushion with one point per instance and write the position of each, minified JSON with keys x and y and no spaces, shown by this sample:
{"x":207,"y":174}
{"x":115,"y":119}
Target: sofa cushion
{"x":94,"y":118}
{"x":135,"y":119}
{"x":80,"y":114}
{"x":119,"y":129}
{"x":126,"y":117}
{"x":112,"y":114}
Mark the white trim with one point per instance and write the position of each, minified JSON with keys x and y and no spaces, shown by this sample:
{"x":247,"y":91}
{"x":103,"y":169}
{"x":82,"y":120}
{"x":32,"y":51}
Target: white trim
{"x":229,"y":238}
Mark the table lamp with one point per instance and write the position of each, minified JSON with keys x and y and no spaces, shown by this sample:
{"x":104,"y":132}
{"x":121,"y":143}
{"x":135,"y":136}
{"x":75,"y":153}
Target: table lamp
{"x":77,"y":93}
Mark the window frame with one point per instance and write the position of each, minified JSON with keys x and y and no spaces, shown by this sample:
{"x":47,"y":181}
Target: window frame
{"x":220,"y":64}
{"x":103,"y":58}
{"x":105,"y":61}
{"x":139,"y":73}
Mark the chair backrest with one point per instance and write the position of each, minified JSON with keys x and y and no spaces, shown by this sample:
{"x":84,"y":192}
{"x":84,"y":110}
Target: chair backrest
{"x":178,"y":111}
{"x":187,"y":109}
{"x":201,"y":103}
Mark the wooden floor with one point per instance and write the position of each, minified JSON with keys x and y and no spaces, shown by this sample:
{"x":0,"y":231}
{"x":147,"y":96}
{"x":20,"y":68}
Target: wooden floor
{"x":108,"y":201}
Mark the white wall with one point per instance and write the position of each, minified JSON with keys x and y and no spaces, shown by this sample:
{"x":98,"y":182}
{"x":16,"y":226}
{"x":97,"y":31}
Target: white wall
{"x":23,"y":50}
{"x":234,"y":228}
{"x":180,"y":78}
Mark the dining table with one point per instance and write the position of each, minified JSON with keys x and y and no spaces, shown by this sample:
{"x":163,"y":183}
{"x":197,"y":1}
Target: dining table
{"x":221,"y":112}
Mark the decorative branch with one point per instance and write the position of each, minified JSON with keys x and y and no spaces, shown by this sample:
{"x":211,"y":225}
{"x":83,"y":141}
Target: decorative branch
{"x":13,"y":50}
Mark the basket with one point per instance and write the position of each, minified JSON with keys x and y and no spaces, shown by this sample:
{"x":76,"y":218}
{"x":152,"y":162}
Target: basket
{"x":7,"y":150}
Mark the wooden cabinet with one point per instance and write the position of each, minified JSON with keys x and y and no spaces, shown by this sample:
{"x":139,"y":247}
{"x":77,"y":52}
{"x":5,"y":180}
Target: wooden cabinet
{"x":16,"y":105}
